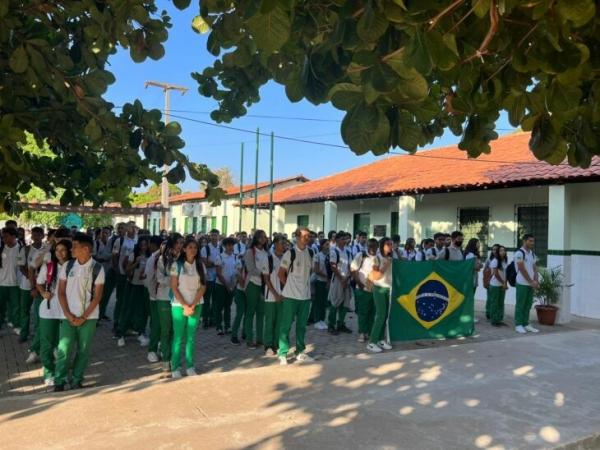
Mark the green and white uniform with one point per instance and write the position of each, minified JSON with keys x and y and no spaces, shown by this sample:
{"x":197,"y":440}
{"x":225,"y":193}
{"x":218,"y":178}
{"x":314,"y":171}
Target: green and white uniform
{"x":365,"y":307}
{"x":381,"y":299}
{"x":9,"y":284}
{"x":524,"y":289}
{"x":255,"y":260}
{"x":162,"y":290}
{"x":223,"y":294}
{"x":497,"y":292}
{"x":273,"y":308}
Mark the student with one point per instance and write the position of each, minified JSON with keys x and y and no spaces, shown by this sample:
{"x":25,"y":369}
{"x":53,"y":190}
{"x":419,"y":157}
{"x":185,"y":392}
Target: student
{"x":227,"y":267}
{"x":527,"y":280}
{"x":409,"y":253}
{"x":122,"y":247}
{"x":49,"y":310}
{"x":239,"y":298}
{"x":240,"y":246}
{"x":381,"y":277}
{"x":361,"y":267}
{"x":188,"y":285}
{"x":294,"y":274}
{"x":397,"y":247}
{"x":360,"y":244}
{"x":439,"y":246}
{"x":487,"y":276}
{"x":454,"y":251}
{"x":498,"y":286}
{"x":210,"y":254}
{"x":321,"y":276}
{"x":150,"y":286}
{"x":29,"y":294}
{"x":472,"y":252}
{"x":79,"y":292}
{"x":170,"y":253}
{"x":255,"y":260}
{"x":340,"y":292}
{"x":103,"y":255}
{"x":331,"y":237}
{"x":273,"y":297}
{"x":426,"y":245}
{"x":9,"y":266}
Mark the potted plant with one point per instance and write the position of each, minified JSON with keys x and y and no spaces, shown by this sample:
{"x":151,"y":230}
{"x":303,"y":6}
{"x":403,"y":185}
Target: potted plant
{"x":548,"y":294}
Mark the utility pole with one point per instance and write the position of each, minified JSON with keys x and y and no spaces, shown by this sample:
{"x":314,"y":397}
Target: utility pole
{"x":241,"y":189}
{"x":256,"y":178}
{"x":164,"y":186}
{"x":271,"y":187}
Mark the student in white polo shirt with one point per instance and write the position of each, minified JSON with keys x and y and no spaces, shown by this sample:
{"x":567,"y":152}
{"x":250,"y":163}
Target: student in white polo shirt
{"x":210,"y":254}
{"x":527,"y":281}
{"x":150,"y":286}
{"x":79,"y":291}
{"x":273,"y":297}
{"x":498,"y":285}
{"x":227,"y":267}
{"x":294,"y":274}
{"x":340,"y":293}
{"x":381,"y":276}
{"x":255,"y":260}
{"x":122,"y":248}
{"x":50,"y":312}
{"x":321,"y":276}
{"x":29,"y":294}
{"x":361,"y":267}
{"x":9,"y":284}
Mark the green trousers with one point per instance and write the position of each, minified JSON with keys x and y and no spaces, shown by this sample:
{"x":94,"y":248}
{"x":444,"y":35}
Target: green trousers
{"x":134,"y":310}
{"x":381,"y":299}
{"x":337,"y":315}
{"x":166,"y":328}
{"x":239,"y":298}
{"x":255,"y":305}
{"x":109,"y":285}
{"x":523,"y":305}
{"x":121,"y":285}
{"x":488,"y":303}
{"x":25,"y":302}
{"x":496,"y":296}
{"x":35,"y":342}
{"x":207,"y":305}
{"x":319,"y":303}
{"x":184,"y":327}
{"x":221,"y":307}
{"x":154,"y":327}
{"x":272,"y":323}
{"x":365,"y":310}
{"x":293,"y":309}
{"x":71,"y":337}
{"x":9,"y":296}
{"x":49,"y":331}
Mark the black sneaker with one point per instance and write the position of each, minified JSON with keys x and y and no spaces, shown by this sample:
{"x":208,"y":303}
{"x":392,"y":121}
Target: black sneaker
{"x":59,"y":388}
{"x":332,"y":331}
{"x":344,"y":329}
{"x":251,"y":345}
{"x":77,"y":386}
{"x":235,"y":340}
{"x":105,"y":317}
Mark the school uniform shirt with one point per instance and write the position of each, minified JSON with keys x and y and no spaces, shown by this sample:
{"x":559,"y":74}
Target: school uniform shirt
{"x":242,"y":283}
{"x":421,"y":255}
{"x":315,"y":248}
{"x":397,"y":253}
{"x":150,"y":272}
{"x":319,"y":259}
{"x":493,"y":264}
{"x":255,"y":260}
{"x":163,"y":280}
{"x":530,"y":260}
{"x":342,"y":258}
{"x":229,"y":268}
{"x":79,"y":287}
{"x":138,"y":272}
{"x":123,"y":251}
{"x":409,"y":255}
{"x":456,"y":254}
{"x":211,"y":253}
{"x":50,"y":309}
{"x":475,"y":275}
{"x":10,"y":266}
{"x":30,"y":254}
{"x":357,"y":248}
{"x":239,"y":249}
{"x":433,"y":253}
{"x":103,"y":251}
{"x":189,"y":282}
{"x":297,"y":286}
{"x":384,"y":264}
{"x":274,"y":277}
{"x":364,"y":266}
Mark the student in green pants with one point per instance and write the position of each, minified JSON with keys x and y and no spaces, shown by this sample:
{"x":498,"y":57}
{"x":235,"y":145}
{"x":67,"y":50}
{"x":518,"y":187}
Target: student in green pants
{"x":188,"y":285}
{"x":527,"y":280}
{"x":226,"y":266}
{"x":122,"y":247}
{"x":239,"y":297}
{"x":498,"y":285}
{"x":103,"y":255}
{"x":273,"y":297}
{"x":50,"y":312}
{"x":381,"y":276}
{"x":255,"y":260}
{"x":361,"y":267}
{"x":150,"y":286}
{"x":9,"y":285}
{"x":340,"y":291}
{"x":319,"y":305}
{"x":28,"y":291}
{"x":294,"y":274}
{"x":79,"y":292}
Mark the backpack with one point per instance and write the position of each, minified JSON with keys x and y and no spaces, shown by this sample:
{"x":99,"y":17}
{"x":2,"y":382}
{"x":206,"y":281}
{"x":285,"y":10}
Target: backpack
{"x":511,"y":270}
{"x":364,"y":255}
{"x":293,"y":257}
{"x":328,"y":268}
{"x":95,"y":272}
{"x":447,"y":254}
{"x":19,"y":243}
{"x":487,"y":275}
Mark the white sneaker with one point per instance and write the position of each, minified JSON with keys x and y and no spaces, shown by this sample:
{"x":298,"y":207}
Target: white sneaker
{"x":384,"y":345}
{"x":121,"y":342}
{"x":32,"y":358}
{"x":303,"y":357}
{"x":143,"y":340}
{"x":49,"y":382}
{"x":166,"y":366}
{"x":321,"y":325}
{"x":152,"y":357}
{"x":283,"y":361}
{"x":17,"y":331}
{"x":191,"y":372}
{"x":361,"y":337}
{"x":373,"y":348}
{"x":531,"y":329}
{"x":520,"y":329}
{"x":10,"y":324}
{"x":176,"y":374}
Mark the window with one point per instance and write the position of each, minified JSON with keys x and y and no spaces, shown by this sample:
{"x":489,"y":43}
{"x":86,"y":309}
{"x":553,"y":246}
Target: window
{"x":186,"y":225}
{"x":203,"y":224}
{"x":533,"y":219}
{"x":224,"y":225}
{"x":213,"y":223}
{"x":394,"y":222}
{"x":174,"y":224}
{"x":194,"y":225}
{"x":362,"y":222}
{"x":302,"y":221}
{"x":474,"y":223}
{"x":154,"y":226}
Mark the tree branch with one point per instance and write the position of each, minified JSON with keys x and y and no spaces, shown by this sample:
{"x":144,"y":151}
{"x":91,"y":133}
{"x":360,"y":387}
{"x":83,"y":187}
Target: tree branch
{"x":494,"y":20}
{"x":433,"y":22}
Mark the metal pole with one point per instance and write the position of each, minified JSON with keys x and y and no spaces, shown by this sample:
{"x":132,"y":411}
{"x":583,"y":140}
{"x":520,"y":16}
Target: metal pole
{"x":271,"y":188}
{"x":241,"y":188}
{"x":256,"y":179}
{"x":164,"y":186}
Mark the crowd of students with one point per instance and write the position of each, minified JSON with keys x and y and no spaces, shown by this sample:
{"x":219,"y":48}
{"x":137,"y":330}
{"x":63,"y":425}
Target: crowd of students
{"x":169,"y":285}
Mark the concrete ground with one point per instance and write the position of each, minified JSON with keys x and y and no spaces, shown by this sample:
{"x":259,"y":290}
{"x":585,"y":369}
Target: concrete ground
{"x":534,"y":392}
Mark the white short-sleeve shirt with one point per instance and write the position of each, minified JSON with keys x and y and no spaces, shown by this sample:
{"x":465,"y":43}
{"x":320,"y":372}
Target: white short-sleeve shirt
{"x":79,"y":286}
{"x":189,"y":282}
{"x":493,"y":264}
{"x":8,"y":271}
{"x":274,"y":277}
{"x":50,"y":309}
{"x":364,"y":266}
{"x":124,"y":252}
{"x":298,"y":279}
{"x":385,"y":266}
{"x":530,"y":260}
{"x":229,"y":267}
{"x":319,"y":259}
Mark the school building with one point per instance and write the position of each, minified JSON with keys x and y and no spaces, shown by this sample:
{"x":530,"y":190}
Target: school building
{"x":496,"y":198}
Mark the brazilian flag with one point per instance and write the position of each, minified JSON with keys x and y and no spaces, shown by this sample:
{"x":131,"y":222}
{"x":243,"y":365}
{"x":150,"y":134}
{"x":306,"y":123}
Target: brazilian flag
{"x":431,"y":300}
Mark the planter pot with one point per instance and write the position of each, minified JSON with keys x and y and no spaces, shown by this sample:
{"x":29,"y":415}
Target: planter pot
{"x":546,"y":314}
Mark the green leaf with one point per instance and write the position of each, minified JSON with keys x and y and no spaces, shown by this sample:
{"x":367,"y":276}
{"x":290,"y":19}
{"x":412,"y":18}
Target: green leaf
{"x":181,"y":4}
{"x":442,"y":56}
{"x":345,"y":96}
{"x":199,"y":25}
{"x":516,"y":107}
{"x":417,"y":55}
{"x":93,"y":130}
{"x":544,"y":139}
{"x":19,"y":61}
{"x":563,"y":98}
{"x":358,"y":126}
{"x":173,"y":129}
{"x":371,"y":25}
{"x":481,"y":7}
{"x":579,"y":12}
{"x":271,"y":30}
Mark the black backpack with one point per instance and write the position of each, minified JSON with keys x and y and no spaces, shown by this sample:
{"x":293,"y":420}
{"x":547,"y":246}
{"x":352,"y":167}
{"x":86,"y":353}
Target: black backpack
{"x":95,"y":272}
{"x":511,"y":270}
{"x":293,"y":257}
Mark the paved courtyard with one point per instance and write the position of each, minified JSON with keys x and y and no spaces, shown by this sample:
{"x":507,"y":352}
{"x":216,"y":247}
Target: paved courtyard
{"x":113,"y":365}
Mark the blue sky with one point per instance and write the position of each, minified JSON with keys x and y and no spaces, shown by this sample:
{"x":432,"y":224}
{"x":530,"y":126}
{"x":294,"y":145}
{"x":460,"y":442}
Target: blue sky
{"x":185,"y":53}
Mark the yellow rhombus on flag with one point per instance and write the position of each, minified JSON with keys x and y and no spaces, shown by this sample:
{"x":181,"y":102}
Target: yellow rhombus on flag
{"x":431,"y":301}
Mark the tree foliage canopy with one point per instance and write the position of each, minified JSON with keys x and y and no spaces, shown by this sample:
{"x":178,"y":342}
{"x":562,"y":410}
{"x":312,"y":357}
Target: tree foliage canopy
{"x":153,"y":194}
{"x":405,"y":70}
{"x":53,"y":74}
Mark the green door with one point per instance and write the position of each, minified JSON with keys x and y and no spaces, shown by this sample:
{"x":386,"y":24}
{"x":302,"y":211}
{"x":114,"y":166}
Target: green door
{"x":203,"y":224}
{"x":186,"y":225}
{"x":362,"y":222}
{"x":174,"y":224}
{"x":394,"y":222}
{"x":302,"y":220}
{"x":213,"y":223}
{"x":194,"y":225}
{"x":224,"y":225}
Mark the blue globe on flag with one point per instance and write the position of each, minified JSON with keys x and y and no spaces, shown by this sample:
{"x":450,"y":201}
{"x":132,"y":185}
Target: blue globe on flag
{"x":431,"y":300}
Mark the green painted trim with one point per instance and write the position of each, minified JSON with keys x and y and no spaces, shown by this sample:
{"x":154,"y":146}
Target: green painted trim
{"x":574,"y":252}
